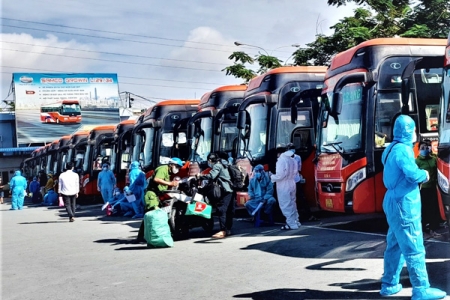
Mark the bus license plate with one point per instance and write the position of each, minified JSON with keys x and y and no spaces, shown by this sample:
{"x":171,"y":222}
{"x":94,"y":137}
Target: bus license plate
{"x":329,"y":203}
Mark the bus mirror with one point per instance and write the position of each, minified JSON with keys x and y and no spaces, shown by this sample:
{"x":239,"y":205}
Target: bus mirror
{"x":190,"y":131}
{"x":406,"y":77}
{"x":336,"y":104}
{"x":241,"y":119}
{"x":294,"y":114}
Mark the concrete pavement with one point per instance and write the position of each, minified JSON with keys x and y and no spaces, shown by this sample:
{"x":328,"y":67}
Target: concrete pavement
{"x":46,"y":257}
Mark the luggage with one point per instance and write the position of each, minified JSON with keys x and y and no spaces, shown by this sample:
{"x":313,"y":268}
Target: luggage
{"x":156,"y":229}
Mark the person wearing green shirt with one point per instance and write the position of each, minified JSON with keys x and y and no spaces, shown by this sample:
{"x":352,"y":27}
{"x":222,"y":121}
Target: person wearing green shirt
{"x":159,"y":182}
{"x":428,"y":193}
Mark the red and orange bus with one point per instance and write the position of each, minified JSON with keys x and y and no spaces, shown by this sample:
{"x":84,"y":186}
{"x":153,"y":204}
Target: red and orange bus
{"x":66,"y":111}
{"x":280,"y":107}
{"x":366,"y":88}
{"x":444,"y":142}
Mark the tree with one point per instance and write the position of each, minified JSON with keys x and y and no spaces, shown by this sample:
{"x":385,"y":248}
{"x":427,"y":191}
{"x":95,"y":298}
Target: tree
{"x":241,"y":59}
{"x":429,"y":18}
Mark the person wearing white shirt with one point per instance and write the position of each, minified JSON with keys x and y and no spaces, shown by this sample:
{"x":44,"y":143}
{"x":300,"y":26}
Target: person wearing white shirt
{"x":68,"y":189}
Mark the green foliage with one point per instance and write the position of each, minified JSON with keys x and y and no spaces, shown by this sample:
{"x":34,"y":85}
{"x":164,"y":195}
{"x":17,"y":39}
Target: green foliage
{"x":372,"y":19}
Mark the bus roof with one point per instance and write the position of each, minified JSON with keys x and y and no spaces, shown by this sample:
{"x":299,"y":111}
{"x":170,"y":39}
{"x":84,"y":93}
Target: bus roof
{"x":256,"y":82}
{"x":104,"y":127}
{"x":177,"y":102}
{"x":226,"y":88}
{"x":345,"y":57}
{"x":129,"y":121}
{"x":81,"y":132}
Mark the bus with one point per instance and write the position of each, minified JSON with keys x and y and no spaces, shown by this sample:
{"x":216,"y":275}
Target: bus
{"x":98,"y":151}
{"x":280,"y":107}
{"x":65,"y":111}
{"x":443,"y":160}
{"x":153,"y":140}
{"x":366,"y":88}
{"x":213,"y":127}
{"x":76,"y":148}
{"x":61,"y":156}
{"x":121,"y":151}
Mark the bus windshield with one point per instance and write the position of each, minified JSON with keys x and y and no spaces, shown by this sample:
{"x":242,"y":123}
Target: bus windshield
{"x":285,"y":126}
{"x":71,"y":109}
{"x":444,"y":125}
{"x":143,"y":146}
{"x":228,"y":134}
{"x":255,"y":138}
{"x":203,"y":137}
{"x":345,"y":130}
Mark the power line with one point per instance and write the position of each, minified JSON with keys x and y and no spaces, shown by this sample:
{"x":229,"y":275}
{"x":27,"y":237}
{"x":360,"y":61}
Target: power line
{"x":108,"y":60}
{"x":115,"y":39}
{"x":115,"y":32}
{"x":114,"y":53}
{"x":129,"y":77}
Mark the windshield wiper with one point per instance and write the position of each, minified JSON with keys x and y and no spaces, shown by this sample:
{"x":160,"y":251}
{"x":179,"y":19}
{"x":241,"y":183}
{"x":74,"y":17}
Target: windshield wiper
{"x":333,"y":145}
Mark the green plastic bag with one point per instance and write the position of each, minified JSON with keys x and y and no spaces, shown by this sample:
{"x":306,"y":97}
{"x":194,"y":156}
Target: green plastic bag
{"x":157,"y":230}
{"x":200,"y":209}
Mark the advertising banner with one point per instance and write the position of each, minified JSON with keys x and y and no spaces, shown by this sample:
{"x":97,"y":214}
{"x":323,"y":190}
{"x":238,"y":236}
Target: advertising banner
{"x":49,"y":106}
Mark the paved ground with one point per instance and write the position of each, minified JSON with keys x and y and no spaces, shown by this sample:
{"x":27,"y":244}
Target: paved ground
{"x":46,"y":257}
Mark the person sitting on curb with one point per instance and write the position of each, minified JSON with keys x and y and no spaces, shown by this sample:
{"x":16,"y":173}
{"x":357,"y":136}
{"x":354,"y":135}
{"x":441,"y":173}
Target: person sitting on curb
{"x":260,"y":191}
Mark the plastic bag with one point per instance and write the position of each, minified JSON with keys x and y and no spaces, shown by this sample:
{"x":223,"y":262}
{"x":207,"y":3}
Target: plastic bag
{"x":61,"y":201}
{"x":200,"y":209}
{"x":156,"y":229}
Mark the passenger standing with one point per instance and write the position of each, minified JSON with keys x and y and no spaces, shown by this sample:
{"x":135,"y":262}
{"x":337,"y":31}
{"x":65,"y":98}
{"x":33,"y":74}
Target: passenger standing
{"x":34,"y":188}
{"x":68,"y":189}
{"x":225,"y":204}
{"x":18,"y":186}
{"x":428,"y":194}
{"x":285,"y":171}
{"x":105,"y":183}
{"x":137,"y":187}
{"x":402,"y":207}
{"x":42,"y":182}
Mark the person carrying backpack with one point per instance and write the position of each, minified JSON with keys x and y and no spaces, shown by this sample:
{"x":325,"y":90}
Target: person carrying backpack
{"x":224,"y":204}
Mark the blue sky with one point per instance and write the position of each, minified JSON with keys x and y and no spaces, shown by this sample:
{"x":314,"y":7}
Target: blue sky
{"x":159,"y":49}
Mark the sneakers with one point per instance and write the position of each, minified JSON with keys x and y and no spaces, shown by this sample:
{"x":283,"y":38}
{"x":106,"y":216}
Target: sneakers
{"x":72,"y":219}
{"x":390,"y":290}
{"x":427,"y":294}
{"x":105,"y":205}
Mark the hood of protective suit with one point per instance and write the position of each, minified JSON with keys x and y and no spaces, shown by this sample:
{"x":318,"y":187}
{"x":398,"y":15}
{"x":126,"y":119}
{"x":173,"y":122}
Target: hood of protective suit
{"x":287,"y":153}
{"x":404,"y":129}
{"x":17,"y":173}
{"x":134,"y":165}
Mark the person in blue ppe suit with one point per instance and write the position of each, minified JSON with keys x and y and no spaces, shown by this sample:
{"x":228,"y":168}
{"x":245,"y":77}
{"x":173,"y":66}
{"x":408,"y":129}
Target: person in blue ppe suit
{"x":18,"y":185}
{"x":260,"y":190}
{"x":137,"y":187}
{"x":34,"y":189}
{"x":105,"y":183}
{"x":402,"y":207}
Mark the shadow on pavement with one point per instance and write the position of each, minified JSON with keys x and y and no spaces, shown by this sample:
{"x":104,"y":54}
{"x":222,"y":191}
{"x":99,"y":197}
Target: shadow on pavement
{"x":297,"y":294}
{"x":43,"y":222}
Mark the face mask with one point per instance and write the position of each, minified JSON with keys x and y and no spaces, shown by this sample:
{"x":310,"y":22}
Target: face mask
{"x":258,"y":176}
{"x":210,"y":165}
{"x":414,"y":138}
{"x":424,"y":152}
{"x":175,"y":170}
{"x":104,"y":169}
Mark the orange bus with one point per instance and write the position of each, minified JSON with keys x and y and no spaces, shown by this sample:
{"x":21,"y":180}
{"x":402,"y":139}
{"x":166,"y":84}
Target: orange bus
{"x":443,"y":160}
{"x":280,"y":107}
{"x":366,"y":88}
{"x":66,"y":111}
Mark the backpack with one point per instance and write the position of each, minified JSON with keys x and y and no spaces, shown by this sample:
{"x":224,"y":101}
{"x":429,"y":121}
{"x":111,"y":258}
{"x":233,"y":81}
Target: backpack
{"x":237,"y":177}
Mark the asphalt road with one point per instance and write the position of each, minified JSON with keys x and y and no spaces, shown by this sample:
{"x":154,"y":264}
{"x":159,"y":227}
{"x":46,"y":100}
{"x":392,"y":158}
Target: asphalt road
{"x":46,"y":257}
{"x":31,"y":130}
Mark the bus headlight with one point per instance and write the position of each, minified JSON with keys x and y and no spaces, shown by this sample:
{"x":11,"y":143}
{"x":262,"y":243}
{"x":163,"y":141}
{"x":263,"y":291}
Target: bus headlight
{"x":354,"y":179}
{"x":443,"y":182}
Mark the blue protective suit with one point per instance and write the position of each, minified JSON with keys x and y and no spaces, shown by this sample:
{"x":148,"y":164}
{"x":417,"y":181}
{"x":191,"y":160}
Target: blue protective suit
{"x":34,"y":188}
{"x":137,"y":187}
{"x":18,"y":185}
{"x":260,"y":189}
{"x":51,"y":198}
{"x":106,"y":182}
{"x":402,"y":207}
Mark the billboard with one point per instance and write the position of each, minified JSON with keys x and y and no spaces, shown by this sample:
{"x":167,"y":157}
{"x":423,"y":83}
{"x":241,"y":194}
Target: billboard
{"x":49,"y":106}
